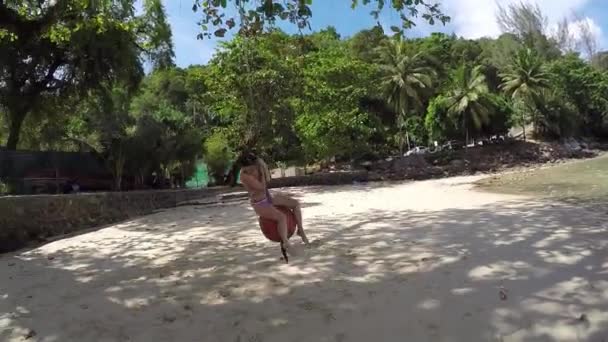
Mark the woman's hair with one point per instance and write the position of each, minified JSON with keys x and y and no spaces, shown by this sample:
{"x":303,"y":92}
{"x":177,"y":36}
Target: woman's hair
{"x":247,"y":159}
{"x":250,"y":159}
{"x":263,"y":169}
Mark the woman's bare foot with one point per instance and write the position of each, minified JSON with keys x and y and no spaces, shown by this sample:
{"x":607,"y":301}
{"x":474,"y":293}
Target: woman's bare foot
{"x":303,"y":236}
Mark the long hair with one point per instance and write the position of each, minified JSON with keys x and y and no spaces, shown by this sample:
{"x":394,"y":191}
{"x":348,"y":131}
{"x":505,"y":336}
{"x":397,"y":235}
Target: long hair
{"x":263,"y":169}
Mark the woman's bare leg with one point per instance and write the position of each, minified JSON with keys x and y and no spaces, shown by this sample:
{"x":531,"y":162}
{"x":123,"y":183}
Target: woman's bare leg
{"x":273,"y":213}
{"x":293,"y":204}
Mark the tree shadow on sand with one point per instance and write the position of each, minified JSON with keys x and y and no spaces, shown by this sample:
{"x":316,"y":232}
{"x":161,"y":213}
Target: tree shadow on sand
{"x":519,"y":270}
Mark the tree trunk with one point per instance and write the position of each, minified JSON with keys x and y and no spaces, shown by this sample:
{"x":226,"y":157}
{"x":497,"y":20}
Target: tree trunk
{"x":119,"y":165}
{"x":466,"y":131}
{"x":232,"y":175}
{"x":523,"y":126}
{"x":17,"y":118}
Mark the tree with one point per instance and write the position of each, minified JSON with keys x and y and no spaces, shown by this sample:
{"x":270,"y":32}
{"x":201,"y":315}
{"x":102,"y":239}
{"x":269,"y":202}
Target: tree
{"x":586,"y":88}
{"x":526,"y":21}
{"x":439,"y":125}
{"x":523,"y":81}
{"x":247,"y":70}
{"x":600,"y":61}
{"x":501,"y":51}
{"x":500,"y":120}
{"x":467,"y":102}
{"x":587,"y":39}
{"x":158,"y":45}
{"x":50,"y":48}
{"x":330,"y":120}
{"x":406,"y":80}
{"x":107,"y":114}
{"x":162,"y":107}
{"x":363,"y":42}
{"x":556,"y":117}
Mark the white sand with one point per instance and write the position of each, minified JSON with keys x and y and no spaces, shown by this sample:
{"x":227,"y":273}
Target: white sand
{"x":423,"y":261}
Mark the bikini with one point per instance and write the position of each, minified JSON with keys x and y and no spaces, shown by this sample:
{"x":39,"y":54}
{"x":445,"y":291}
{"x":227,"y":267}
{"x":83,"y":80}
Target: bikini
{"x":264,"y":202}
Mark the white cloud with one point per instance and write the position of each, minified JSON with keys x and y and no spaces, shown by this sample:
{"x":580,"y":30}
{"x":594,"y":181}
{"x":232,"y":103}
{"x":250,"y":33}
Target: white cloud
{"x":477,"y":18}
{"x":575,"y":28}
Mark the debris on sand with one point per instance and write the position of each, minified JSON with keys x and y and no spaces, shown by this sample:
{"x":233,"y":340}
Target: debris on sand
{"x":502,"y":293}
{"x":30,"y":334}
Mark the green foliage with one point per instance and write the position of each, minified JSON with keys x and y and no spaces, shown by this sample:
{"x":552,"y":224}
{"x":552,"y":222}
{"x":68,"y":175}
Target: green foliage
{"x":416,"y":131}
{"x":500,"y":119}
{"x":407,"y":81}
{"x":525,"y":78}
{"x":439,"y":125}
{"x":555,"y":117}
{"x":244,"y":72}
{"x":361,"y":42}
{"x":70,"y":46}
{"x":253,"y":17}
{"x":467,"y":102}
{"x":218,"y":154}
{"x":586,"y":88}
{"x":330,"y":121}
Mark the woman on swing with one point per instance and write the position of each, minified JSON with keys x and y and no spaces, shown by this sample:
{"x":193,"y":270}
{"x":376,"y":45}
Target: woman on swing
{"x":255,"y":178}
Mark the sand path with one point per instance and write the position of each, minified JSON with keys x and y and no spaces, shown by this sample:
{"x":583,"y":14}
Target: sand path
{"x":424,"y":261}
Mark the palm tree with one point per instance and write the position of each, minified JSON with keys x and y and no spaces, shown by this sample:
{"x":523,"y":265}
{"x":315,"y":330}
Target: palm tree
{"x":524,"y":80}
{"x":406,"y":79}
{"x":468,"y":100}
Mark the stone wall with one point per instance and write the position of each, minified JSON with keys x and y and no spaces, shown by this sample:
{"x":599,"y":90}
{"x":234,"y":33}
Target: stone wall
{"x":335,"y":178}
{"x":35,"y":218}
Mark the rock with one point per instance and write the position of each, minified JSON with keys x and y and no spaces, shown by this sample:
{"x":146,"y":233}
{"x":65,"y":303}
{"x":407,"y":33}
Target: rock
{"x":167,"y":318}
{"x":410,"y":162}
{"x":457,"y":163}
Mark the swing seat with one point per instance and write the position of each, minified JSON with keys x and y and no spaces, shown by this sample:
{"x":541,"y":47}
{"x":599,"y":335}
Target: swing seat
{"x":270,"y":228}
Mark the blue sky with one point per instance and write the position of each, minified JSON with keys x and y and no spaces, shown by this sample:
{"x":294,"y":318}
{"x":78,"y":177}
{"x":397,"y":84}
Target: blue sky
{"x":470,"y":19}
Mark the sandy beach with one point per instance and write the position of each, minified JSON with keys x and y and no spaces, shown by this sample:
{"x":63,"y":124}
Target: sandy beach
{"x":422,"y":261}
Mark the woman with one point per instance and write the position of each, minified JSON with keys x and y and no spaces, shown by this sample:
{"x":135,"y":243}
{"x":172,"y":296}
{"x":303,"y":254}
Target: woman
{"x":255,"y":178}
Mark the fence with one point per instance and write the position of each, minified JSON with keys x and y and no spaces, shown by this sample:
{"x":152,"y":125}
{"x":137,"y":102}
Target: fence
{"x":31,"y":172}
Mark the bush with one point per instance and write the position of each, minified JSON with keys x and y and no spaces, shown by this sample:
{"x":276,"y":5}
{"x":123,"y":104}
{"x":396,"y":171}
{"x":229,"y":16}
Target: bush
{"x":500,"y":119}
{"x":218,"y":155}
{"x":439,"y":125}
{"x":3,"y":188}
{"x":556,"y":117}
